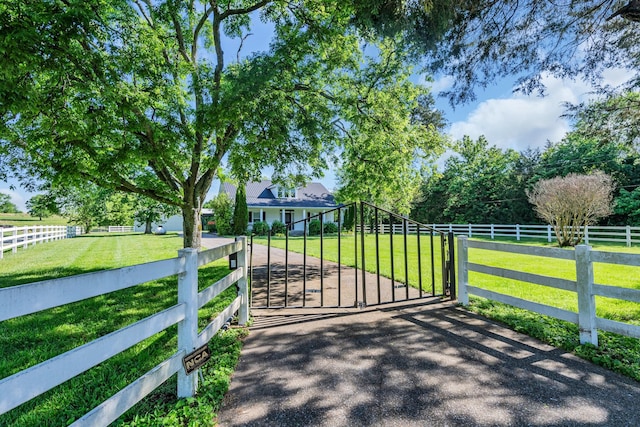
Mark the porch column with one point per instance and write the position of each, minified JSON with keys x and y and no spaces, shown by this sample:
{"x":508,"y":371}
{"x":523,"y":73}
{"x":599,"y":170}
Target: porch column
{"x":262,"y":215}
{"x":282,"y":213}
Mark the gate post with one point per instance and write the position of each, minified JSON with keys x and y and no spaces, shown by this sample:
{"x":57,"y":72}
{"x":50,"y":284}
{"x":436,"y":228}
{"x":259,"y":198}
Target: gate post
{"x":188,"y":327}
{"x":452,"y":268}
{"x":463,"y":272}
{"x":243,"y":283}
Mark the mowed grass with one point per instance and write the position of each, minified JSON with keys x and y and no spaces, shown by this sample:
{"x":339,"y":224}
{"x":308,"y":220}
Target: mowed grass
{"x":24,"y":219}
{"x":29,"y":340}
{"x":616,"y":352}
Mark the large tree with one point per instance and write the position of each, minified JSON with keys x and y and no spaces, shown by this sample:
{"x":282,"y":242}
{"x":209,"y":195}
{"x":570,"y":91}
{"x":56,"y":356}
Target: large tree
{"x":142,"y":97}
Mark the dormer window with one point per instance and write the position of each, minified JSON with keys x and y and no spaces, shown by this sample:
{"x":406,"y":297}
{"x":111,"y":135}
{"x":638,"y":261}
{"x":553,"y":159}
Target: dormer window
{"x":286,"y":193}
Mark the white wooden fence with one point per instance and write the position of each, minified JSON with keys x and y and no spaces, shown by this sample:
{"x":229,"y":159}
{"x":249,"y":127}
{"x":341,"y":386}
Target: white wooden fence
{"x":30,"y":298}
{"x":623,"y":234}
{"x":21,"y":237}
{"x":584,"y":286}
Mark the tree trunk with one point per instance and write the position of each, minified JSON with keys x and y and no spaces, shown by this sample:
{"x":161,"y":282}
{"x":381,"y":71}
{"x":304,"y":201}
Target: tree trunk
{"x":191,"y":226}
{"x":147,"y":227}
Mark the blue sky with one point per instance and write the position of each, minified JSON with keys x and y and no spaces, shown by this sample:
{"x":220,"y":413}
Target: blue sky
{"x":507,"y":120}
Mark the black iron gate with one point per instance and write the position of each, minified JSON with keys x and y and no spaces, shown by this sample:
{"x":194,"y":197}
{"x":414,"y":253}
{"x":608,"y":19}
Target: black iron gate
{"x":355,"y":255}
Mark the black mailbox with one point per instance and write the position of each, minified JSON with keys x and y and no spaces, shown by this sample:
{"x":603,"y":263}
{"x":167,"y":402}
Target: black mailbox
{"x":233,"y":261}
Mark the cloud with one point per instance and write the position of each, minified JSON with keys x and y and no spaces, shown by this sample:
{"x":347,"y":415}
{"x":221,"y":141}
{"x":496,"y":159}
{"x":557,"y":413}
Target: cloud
{"x":521,"y":121}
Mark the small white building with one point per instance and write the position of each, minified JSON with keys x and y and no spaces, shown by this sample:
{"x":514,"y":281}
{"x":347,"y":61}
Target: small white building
{"x":268,"y":202}
{"x":173,"y":223}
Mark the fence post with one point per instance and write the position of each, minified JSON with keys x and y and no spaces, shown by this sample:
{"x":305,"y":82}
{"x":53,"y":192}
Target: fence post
{"x":243,"y":283}
{"x":518,"y":232}
{"x":188,"y":327}
{"x":549,"y":233}
{"x":492,"y":232}
{"x":1,"y":243}
{"x":586,"y":298}
{"x":586,"y":234}
{"x":470,"y":231}
{"x":628,"y":236}
{"x":463,"y":272}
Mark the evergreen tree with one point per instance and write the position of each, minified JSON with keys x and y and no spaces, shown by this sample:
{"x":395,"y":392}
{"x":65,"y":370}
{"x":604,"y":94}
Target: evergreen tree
{"x":240,"y":212}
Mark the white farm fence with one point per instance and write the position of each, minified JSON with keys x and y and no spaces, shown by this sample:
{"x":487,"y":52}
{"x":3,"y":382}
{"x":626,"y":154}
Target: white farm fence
{"x":13,"y":238}
{"x":583,"y":286}
{"x":621,"y":234}
{"x":22,"y":300}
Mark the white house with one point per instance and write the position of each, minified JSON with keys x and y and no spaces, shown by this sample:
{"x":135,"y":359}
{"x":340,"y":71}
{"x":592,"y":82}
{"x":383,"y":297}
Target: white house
{"x":269,"y":202}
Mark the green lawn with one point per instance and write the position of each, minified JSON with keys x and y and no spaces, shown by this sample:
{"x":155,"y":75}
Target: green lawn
{"x":23,"y":219}
{"x":31,"y":339}
{"x":615,"y":352}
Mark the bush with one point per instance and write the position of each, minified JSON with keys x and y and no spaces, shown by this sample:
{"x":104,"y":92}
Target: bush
{"x":330,"y":228}
{"x":278,"y":227}
{"x":314,"y":227}
{"x":260,"y":228}
{"x":211,"y":226}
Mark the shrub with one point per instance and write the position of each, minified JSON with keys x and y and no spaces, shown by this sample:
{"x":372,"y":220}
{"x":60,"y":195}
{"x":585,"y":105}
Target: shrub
{"x":278,"y":227}
{"x":314,"y":227}
{"x":330,"y":228}
{"x":260,"y":228}
{"x":211,"y":226}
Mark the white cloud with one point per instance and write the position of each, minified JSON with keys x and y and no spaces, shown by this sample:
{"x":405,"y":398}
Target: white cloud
{"x":521,"y":121}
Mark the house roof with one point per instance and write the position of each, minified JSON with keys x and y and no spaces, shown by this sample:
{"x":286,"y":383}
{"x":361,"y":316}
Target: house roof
{"x":259,"y":195}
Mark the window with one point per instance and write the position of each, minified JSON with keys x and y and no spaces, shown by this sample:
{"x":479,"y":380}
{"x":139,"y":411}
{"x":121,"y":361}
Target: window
{"x":254,"y":216}
{"x":286,"y":193}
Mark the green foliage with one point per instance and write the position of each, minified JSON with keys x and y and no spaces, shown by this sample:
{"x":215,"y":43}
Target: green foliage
{"x":314,"y":227}
{"x":278,"y":228}
{"x":240,"y":212}
{"x":41,"y":206}
{"x":6,"y":205}
{"x":330,"y":228}
{"x":222,"y":213}
{"x":628,"y":205}
{"x":479,"y":184}
{"x":349,"y":218}
{"x":148,"y":211}
{"x":260,"y":228}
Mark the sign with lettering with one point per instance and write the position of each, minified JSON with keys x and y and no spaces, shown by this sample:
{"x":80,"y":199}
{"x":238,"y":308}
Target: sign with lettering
{"x":196,"y":358}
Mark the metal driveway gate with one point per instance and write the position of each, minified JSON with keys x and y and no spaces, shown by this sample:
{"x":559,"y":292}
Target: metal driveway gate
{"x":352,"y":256}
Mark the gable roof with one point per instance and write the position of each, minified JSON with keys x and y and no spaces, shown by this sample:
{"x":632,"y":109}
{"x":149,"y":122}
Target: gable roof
{"x":313,"y":195}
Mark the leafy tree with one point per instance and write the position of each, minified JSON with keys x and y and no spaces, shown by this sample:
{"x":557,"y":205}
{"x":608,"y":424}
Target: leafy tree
{"x":572,"y":202}
{"x":148,"y":211}
{"x":240,"y":212}
{"x":627,"y":204}
{"x":141,"y":97}
{"x":85,"y":206}
{"x":222,"y":213}
{"x":6,"y":205}
{"x":479,"y":184}
{"x":41,"y":206}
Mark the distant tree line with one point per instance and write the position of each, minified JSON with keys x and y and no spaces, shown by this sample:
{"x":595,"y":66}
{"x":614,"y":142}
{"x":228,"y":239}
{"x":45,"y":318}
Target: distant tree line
{"x":481,"y":183}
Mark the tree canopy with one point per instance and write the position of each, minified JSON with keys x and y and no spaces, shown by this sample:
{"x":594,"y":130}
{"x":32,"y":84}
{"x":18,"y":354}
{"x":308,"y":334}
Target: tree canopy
{"x":142,"y":97}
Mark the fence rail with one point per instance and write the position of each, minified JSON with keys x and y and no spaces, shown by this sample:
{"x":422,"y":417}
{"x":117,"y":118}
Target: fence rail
{"x":22,"y":237}
{"x":623,"y":234}
{"x":583,"y":286}
{"x":22,"y":300}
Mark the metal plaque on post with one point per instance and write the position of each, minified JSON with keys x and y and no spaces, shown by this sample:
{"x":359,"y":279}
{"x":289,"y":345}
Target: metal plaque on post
{"x":196,"y":359}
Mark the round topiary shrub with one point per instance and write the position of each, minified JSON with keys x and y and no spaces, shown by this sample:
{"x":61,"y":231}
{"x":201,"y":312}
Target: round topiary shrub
{"x":278,"y":227}
{"x":330,"y":228}
{"x":314,"y":227}
{"x":260,"y":228}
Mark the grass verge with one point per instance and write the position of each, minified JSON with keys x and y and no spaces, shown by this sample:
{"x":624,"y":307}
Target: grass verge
{"x":29,"y":340}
